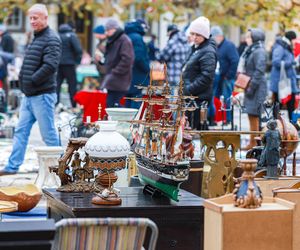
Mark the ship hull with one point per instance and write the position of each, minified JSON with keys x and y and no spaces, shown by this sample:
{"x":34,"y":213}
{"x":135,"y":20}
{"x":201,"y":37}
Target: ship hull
{"x":161,"y":176}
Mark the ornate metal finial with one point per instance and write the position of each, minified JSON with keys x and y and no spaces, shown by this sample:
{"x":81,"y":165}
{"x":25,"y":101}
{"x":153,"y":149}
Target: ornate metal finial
{"x":99,"y":111}
{"x":247,"y":193}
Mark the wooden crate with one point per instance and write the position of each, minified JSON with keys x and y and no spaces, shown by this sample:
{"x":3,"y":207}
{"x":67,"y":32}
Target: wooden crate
{"x":227,"y":227}
{"x":267,"y":186}
{"x":292,"y":195}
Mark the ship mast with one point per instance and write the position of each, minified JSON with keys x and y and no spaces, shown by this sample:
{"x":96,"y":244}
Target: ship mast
{"x":180,"y":106}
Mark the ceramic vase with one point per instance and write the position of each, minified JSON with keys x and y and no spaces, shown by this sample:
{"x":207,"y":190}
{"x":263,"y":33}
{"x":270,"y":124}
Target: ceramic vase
{"x":122,"y":115}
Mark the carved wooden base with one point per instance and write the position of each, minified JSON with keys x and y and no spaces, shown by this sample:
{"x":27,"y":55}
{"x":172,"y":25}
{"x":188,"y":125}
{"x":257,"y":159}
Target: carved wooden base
{"x":112,"y":199}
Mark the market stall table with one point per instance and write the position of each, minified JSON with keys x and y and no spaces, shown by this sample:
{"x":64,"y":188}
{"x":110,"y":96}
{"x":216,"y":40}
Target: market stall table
{"x":180,"y":223}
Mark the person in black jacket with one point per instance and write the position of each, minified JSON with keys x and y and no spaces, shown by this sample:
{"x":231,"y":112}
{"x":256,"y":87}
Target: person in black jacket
{"x":38,"y":83}
{"x":71,"y":55}
{"x":199,"y":70}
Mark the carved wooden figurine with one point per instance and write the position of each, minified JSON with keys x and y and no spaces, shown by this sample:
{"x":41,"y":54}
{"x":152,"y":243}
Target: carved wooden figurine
{"x":76,"y":167}
{"x":88,"y":171}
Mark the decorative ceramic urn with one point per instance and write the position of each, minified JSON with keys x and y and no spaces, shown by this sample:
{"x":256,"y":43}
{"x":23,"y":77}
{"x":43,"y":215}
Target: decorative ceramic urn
{"x":107,"y":150}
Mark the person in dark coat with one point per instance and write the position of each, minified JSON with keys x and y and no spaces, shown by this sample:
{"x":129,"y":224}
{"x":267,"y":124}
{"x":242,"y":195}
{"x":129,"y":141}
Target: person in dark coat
{"x":141,"y":68}
{"x":119,"y":58}
{"x":228,"y":59}
{"x":282,"y":51}
{"x":199,"y":70}
{"x":38,"y":83}
{"x":99,"y":58}
{"x":242,"y":45}
{"x":253,"y":63}
{"x":71,"y":56}
{"x":7,"y":42}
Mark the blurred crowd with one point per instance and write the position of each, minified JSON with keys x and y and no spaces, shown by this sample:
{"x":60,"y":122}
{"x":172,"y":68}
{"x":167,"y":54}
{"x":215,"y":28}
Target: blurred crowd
{"x":200,"y":54}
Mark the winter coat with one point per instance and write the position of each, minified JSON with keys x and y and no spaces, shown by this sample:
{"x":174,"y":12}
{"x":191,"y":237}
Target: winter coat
{"x":152,"y":50}
{"x":255,"y":67}
{"x":5,"y":58}
{"x":141,"y":68}
{"x":228,"y":58}
{"x":38,"y":72}
{"x":199,"y":70}
{"x":71,"y":48}
{"x":282,"y":52}
{"x":7,"y":42}
{"x":119,"y":58}
{"x":175,"y":54}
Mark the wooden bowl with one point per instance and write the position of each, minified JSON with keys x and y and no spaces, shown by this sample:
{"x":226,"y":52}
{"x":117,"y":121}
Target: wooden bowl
{"x":26,"y":196}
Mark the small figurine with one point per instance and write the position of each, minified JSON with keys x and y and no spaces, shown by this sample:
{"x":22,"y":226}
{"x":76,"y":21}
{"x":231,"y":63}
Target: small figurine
{"x":76,"y":165}
{"x":271,"y":153}
{"x":88,"y":171}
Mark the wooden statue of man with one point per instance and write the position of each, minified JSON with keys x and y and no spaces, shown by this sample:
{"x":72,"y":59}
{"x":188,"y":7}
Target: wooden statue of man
{"x":271,"y":153}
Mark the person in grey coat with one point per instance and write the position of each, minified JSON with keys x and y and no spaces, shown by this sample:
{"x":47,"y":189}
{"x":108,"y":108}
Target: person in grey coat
{"x":253,"y":63}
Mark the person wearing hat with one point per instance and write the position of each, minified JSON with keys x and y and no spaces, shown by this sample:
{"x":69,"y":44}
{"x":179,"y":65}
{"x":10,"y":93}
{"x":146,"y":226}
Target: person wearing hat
{"x":228,"y":59}
{"x":199,"y":69}
{"x":174,"y":54}
{"x":282,"y":51}
{"x":253,"y":63}
{"x":99,"y":33}
{"x":99,"y":57}
{"x":119,"y":58}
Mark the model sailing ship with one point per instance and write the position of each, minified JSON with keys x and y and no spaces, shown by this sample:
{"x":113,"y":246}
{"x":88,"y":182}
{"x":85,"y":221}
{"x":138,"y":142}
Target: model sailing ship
{"x":161,"y":143}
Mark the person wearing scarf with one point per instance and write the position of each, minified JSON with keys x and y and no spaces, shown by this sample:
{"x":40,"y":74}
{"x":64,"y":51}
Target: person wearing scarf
{"x":253,"y":63}
{"x":282,"y":51}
